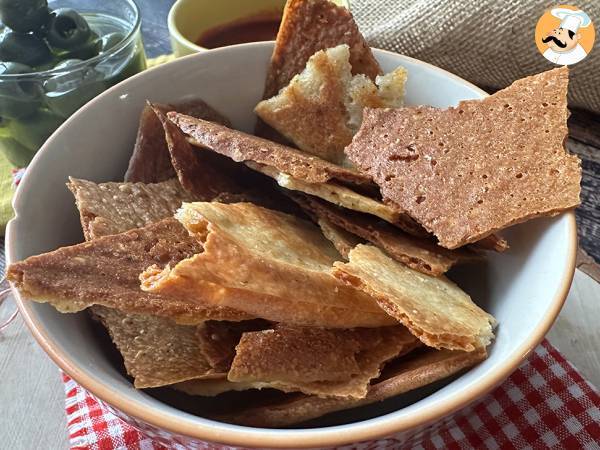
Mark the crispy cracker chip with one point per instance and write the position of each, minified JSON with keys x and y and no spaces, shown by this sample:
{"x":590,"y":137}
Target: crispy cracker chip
{"x":492,"y":242}
{"x":342,"y":240}
{"x":435,"y":310}
{"x":111,"y":208}
{"x":417,"y":253}
{"x":321,"y":108}
{"x":341,"y":196}
{"x":150,"y":161}
{"x":325,"y":363}
{"x":268,"y":264}
{"x":106,"y":272}
{"x":210,"y":387}
{"x":328,"y":25}
{"x":468,"y":171}
{"x":242,"y":147}
{"x":409,"y":373}
{"x":217,"y":340}
{"x":205,"y":175}
{"x":156,"y":351}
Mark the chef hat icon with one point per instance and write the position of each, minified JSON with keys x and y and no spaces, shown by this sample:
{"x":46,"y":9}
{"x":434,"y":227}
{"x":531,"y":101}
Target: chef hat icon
{"x":570,"y":19}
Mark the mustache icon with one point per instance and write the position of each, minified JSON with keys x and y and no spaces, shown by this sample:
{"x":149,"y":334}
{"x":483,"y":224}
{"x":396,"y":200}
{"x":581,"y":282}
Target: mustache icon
{"x":557,"y":41}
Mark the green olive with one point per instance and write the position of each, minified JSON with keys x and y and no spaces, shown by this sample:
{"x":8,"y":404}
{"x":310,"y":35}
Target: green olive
{"x":109,"y":40}
{"x":24,"y":48}
{"x":67,"y":92}
{"x":32,"y":131}
{"x":24,"y":15}
{"x":67,"y":29}
{"x":17,"y":154}
{"x":18,"y":96}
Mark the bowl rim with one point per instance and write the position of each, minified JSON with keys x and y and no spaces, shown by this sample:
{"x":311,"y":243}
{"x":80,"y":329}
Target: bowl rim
{"x":212,"y":431}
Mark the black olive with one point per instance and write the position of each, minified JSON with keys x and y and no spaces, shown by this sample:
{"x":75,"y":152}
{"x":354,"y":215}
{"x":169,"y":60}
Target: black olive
{"x":67,"y":29}
{"x":24,"y":15}
{"x":24,"y":48}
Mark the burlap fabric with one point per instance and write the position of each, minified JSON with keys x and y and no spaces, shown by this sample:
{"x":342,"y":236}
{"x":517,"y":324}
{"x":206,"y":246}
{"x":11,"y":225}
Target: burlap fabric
{"x":488,"y":42}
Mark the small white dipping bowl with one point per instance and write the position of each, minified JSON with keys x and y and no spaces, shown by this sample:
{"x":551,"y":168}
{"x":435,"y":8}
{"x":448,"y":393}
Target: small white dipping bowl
{"x":523,"y":288}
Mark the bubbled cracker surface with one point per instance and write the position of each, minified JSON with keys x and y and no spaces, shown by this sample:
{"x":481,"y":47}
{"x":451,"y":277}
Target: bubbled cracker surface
{"x":150,"y":161}
{"x":468,"y":171}
{"x":105,"y":271}
{"x":434,"y":309}
{"x":111,"y":208}
{"x":241,"y":146}
{"x":417,"y":253}
{"x":156,"y":351}
{"x":406,"y":375}
{"x":326,"y":363}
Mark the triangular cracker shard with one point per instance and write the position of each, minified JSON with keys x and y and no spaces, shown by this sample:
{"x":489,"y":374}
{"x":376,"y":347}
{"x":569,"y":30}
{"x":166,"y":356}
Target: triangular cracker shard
{"x":267,"y":264}
{"x":434,"y":309}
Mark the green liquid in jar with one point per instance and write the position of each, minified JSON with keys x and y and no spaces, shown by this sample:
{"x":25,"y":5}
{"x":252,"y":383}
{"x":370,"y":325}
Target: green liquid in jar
{"x":22,"y":134}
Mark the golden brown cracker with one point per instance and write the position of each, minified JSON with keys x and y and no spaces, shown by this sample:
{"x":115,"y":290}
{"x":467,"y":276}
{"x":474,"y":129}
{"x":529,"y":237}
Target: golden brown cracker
{"x":217,"y":340}
{"x":317,"y":361}
{"x":150,"y":161}
{"x":267,"y":264}
{"x":106,"y":272}
{"x":156,"y":351}
{"x":327,"y":25}
{"x":417,"y":253}
{"x":203,"y":174}
{"x":342,"y":240}
{"x":407,"y":374}
{"x":434,"y":309}
{"x":111,"y":208}
{"x":241,"y":147}
{"x":340,"y":195}
{"x":469,"y":171}
{"x":321,"y":108}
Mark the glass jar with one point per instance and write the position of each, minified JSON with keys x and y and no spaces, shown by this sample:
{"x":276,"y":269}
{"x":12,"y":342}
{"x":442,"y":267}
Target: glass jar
{"x":33,"y":105}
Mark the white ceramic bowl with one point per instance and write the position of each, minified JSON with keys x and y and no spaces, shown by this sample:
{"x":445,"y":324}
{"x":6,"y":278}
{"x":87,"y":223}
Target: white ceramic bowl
{"x":523,"y":288}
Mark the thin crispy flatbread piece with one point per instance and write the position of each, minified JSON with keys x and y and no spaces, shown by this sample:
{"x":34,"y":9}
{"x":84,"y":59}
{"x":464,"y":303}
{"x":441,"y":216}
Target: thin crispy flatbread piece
{"x":321,"y":108}
{"x":150,"y":161}
{"x":469,"y":171}
{"x":241,"y":147}
{"x":338,"y":363}
{"x":106,"y":272}
{"x":205,"y":175}
{"x":407,"y":374}
{"x":275,"y":266}
{"x":341,"y":196}
{"x":434,"y":309}
{"x":492,"y":242}
{"x":210,"y":387}
{"x":342,"y":240}
{"x":111,"y":208}
{"x":327,"y":25}
{"x":156,"y":351}
{"x":417,"y":253}
{"x":217,"y":340}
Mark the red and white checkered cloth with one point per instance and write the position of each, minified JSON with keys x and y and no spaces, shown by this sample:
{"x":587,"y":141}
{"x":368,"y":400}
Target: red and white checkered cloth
{"x":545,"y":403}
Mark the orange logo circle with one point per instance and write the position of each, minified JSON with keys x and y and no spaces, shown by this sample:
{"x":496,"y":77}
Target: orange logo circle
{"x":565,"y":35}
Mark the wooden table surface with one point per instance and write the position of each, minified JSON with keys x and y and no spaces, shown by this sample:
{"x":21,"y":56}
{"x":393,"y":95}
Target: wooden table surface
{"x":31,"y":393}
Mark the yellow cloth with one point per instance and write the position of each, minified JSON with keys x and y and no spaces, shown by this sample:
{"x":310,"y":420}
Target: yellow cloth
{"x":7,"y":188}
